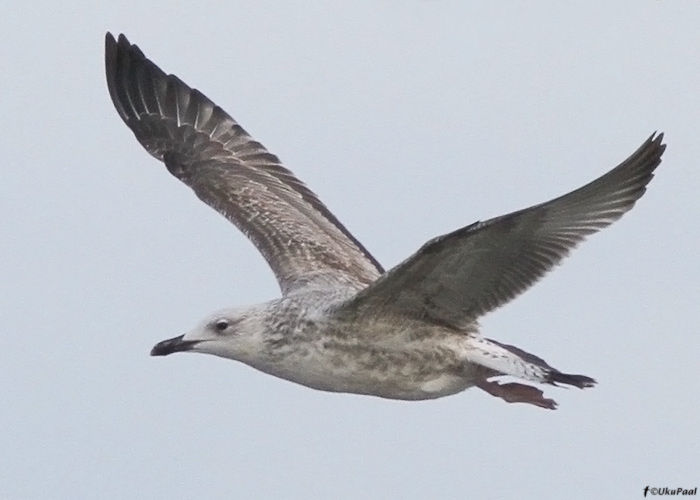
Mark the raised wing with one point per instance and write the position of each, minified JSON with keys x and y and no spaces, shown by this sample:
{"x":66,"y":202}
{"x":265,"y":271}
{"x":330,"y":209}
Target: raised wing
{"x":206,"y":149}
{"x":455,"y":278}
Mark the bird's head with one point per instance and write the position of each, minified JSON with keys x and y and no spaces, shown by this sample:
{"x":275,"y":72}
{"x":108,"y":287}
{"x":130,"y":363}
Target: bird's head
{"x":231,"y":333}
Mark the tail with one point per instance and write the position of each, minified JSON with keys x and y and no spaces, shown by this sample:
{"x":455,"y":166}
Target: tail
{"x":505,"y":359}
{"x":581,"y":381}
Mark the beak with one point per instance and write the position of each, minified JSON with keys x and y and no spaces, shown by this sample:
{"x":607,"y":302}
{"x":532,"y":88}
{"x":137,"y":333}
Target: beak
{"x":173,"y":345}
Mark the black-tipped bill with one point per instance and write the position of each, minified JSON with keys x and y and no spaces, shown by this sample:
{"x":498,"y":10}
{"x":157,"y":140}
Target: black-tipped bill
{"x":170,"y":346}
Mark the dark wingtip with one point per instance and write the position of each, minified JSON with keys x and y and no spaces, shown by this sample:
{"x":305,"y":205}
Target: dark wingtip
{"x":657,"y":139}
{"x":116,"y":56}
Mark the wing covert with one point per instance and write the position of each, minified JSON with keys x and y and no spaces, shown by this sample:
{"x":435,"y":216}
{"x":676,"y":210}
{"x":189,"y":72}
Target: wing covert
{"x":209,"y":151}
{"x":458,"y":277}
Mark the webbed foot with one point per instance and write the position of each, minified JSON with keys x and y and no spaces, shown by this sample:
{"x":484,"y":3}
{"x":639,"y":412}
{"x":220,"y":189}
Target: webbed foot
{"x":514,"y":392}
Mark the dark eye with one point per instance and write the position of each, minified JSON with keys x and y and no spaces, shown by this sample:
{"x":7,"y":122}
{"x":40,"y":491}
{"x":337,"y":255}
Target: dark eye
{"x":221,"y":325}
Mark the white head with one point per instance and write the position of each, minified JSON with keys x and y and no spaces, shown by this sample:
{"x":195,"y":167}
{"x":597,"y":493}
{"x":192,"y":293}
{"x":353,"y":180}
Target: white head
{"x":230,"y":333}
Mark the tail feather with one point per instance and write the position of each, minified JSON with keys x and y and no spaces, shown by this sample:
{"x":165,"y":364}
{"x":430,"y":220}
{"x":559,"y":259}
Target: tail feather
{"x":505,"y":359}
{"x":555,"y":377}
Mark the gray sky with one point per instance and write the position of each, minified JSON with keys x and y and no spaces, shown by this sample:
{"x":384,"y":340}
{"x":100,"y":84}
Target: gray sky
{"x":409,"y":119}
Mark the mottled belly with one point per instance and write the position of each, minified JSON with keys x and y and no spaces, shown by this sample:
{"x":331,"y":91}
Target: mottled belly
{"x":394,"y":387}
{"x":406,"y":375}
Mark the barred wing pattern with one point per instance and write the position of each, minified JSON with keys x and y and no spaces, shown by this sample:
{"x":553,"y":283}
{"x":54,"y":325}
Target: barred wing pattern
{"x":206,"y":149}
{"x":456,"y":278}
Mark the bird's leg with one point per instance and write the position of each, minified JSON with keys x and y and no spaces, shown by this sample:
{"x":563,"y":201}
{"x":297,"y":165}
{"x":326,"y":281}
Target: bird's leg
{"x":517,"y":393}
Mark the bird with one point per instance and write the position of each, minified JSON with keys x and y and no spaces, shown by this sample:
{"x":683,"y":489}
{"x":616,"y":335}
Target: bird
{"x":343,"y":323}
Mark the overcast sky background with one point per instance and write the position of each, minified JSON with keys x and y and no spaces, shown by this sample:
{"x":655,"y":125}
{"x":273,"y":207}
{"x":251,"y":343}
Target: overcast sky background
{"x":409,"y":119}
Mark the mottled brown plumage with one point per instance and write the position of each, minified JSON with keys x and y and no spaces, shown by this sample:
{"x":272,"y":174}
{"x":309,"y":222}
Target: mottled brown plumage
{"x":342,"y":323}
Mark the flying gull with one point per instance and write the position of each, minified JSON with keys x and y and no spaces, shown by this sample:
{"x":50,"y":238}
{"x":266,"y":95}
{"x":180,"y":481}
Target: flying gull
{"x":343,"y":324}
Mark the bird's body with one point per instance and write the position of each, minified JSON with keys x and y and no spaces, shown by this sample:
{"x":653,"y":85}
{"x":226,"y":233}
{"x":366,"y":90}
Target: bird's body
{"x":300,"y":338}
{"x":343,"y":324}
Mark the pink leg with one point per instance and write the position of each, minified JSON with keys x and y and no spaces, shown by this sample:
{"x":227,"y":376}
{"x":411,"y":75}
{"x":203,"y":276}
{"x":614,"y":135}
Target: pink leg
{"x":517,"y":393}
